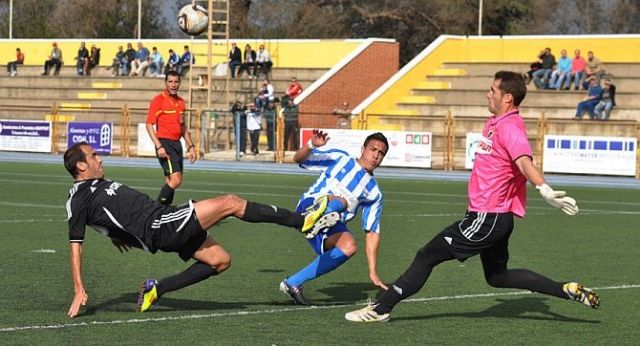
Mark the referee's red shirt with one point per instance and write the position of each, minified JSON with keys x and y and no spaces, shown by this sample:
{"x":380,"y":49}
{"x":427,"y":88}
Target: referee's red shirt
{"x":165,"y":111}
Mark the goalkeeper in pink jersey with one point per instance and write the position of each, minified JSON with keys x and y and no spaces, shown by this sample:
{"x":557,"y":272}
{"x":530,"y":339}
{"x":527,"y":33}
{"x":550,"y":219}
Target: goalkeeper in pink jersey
{"x":497,"y":193}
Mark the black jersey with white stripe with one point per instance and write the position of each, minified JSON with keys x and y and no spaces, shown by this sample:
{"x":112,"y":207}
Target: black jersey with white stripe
{"x":112,"y":209}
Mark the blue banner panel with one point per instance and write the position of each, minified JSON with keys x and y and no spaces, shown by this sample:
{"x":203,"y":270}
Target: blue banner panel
{"x":98,"y":135}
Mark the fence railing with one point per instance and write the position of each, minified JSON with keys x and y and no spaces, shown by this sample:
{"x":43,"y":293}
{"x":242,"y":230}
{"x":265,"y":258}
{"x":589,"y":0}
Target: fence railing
{"x":212,"y":129}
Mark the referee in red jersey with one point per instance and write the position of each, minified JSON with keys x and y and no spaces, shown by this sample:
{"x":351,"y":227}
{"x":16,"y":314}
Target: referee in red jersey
{"x":165,"y":125}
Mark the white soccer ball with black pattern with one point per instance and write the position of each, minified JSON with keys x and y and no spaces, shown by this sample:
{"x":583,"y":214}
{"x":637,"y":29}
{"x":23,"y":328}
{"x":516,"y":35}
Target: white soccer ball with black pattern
{"x":193,"y":19}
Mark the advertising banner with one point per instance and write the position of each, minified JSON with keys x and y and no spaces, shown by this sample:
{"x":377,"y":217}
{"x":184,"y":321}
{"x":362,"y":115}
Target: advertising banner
{"x":25,"y":135}
{"x":98,"y":135}
{"x":590,"y":155}
{"x":145,"y":144}
{"x":406,"y":148}
{"x":471,"y":147}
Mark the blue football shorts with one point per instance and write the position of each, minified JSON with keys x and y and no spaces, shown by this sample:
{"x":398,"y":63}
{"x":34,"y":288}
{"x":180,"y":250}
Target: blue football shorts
{"x":317,"y":242}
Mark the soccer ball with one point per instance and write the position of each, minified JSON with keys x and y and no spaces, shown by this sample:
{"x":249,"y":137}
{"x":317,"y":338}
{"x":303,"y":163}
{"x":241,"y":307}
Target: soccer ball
{"x":193,"y":19}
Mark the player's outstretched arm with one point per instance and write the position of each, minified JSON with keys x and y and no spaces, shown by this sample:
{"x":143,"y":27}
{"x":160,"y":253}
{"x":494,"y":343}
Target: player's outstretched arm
{"x":372,"y":243}
{"x":557,"y":199}
{"x":318,"y":139}
{"x":80,"y":297}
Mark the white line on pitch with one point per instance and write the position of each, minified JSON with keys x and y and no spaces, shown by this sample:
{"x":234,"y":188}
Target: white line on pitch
{"x":272,"y":311}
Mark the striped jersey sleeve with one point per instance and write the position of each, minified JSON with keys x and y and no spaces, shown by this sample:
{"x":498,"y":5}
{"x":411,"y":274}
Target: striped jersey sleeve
{"x":371,"y":213}
{"x":320,"y":160}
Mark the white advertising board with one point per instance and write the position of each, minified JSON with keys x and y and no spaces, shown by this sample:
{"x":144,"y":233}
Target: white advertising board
{"x":25,"y":135}
{"x":406,"y":148}
{"x":145,"y":144}
{"x":590,"y":155}
{"x":471,"y":147}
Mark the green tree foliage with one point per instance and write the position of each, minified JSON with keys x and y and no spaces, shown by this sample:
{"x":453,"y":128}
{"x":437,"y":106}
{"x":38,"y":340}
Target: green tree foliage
{"x":84,"y":19}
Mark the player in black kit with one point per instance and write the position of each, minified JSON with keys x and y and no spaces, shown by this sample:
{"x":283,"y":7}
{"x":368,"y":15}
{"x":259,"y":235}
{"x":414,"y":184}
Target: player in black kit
{"x":132,"y":219}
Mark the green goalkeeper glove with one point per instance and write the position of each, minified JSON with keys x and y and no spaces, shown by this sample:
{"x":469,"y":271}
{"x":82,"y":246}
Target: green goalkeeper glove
{"x":558,"y":199}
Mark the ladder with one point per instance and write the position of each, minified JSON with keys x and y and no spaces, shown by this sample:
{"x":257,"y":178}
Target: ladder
{"x":218,"y":30}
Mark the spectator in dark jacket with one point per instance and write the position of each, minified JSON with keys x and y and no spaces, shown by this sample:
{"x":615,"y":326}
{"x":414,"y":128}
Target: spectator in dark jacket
{"x":172,"y":62}
{"x":541,"y":76}
{"x":93,"y":61}
{"x":235,"y":59}
{"x":607,"y":101}
{"x":130,"y":56}
{"x":82,"y":59}
{"x":589,"y":103}
{"x":249,"y":63}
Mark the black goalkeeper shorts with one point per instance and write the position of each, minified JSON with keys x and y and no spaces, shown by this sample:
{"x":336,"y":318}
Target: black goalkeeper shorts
{"x":480,"y":233}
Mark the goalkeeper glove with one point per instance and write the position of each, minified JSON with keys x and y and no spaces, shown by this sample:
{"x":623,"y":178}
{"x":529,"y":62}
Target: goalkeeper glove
{"x":558,"y":199}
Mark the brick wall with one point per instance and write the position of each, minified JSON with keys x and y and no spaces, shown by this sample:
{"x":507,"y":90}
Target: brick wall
{"x":353,"y":83}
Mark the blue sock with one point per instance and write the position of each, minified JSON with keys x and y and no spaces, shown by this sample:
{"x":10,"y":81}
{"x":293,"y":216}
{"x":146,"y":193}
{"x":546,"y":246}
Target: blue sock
{"x":321,"y":265}
{"x":334,"y":205}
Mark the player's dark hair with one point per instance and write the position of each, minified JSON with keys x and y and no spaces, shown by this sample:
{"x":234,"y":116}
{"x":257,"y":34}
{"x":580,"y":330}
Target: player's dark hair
{"x":72,"y":156}
{"x":512,"y":83}
{"x":171,"y":73}
{"x":377,"y":136}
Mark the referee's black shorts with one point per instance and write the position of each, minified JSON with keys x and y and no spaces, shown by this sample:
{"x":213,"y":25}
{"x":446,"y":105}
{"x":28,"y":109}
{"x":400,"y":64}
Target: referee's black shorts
{"x":177,"y":229}
{"x":480,"y":233}
{"x":175,"y":162}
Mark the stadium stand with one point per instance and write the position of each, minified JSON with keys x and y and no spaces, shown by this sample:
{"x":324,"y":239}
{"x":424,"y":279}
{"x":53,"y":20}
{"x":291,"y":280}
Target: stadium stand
{"x":102,"y":97}
{"x":443,"y":90}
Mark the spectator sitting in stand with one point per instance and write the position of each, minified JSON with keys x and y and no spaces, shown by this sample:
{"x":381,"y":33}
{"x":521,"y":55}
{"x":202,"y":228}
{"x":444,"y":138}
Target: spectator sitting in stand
{"x":82,"y":59}
{"x":157,"y":63}
{"x":117,"y":63}
{"x":235,"y":59}
{"x":294,"y":89}
{"x":589,"y":103}
{"x":263,"y":63}
{"x":595,"y":68}
{"x":562,"y":73}
{"x":12,"y":66}
{"x":141,"y":62}
{"x":541,"y":76}
{"x":249,"y":62}
{"x":607,"y":101}
{"x":55,"y":59}
{"x":130,"y":55}
{"x":186,"y":60}
{"x":93,"y":61}
{"x":172,"y":63}
{"x":578,"y":65}
{"x":265,"y":96}
{"x":535,"y":66}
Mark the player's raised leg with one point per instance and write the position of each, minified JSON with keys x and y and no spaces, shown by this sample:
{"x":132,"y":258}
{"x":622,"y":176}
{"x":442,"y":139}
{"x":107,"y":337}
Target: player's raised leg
{"x":211,"y":259}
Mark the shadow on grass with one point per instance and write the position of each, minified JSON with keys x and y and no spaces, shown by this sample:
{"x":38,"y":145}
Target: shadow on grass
{"x":348,"y":292}
{"x":127,"y":303}
{"x":528,"y":308}
{"x":270,"y":270}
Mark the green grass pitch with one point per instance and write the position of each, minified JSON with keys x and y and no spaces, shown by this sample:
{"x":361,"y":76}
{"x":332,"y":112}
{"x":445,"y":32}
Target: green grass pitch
{"x":599,"y":248}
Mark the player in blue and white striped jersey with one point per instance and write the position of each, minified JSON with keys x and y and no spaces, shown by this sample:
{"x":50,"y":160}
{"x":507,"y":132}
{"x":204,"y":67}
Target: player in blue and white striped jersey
{"x":349,"y":185}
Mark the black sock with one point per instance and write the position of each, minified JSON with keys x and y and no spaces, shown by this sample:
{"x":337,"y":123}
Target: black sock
{"x":166,"y":195}
{"x":192,"y":275}
{"x":526,"y":279}
{"x":412,"y":280}
{"x":257,"y":212}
